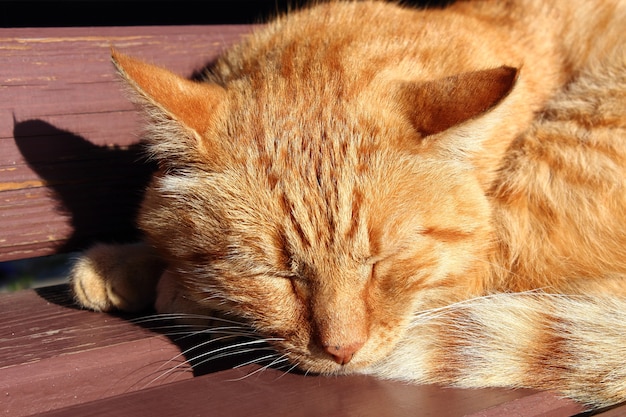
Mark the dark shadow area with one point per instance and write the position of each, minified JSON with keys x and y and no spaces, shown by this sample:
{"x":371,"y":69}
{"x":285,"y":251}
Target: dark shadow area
{"x":206,"y":351}
{"x":28,"y":13}
{"x":100,"y":188}
{"x":34,"y":272}
{"x":138,"y":12}
{"x":60,"y":295}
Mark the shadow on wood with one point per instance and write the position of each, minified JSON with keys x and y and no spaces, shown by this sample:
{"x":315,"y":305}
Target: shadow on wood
{"x":204,"y":347}
{"x":85,"y":180}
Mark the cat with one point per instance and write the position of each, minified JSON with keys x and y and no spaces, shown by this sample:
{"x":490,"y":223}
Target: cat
{"x":430,"y":195}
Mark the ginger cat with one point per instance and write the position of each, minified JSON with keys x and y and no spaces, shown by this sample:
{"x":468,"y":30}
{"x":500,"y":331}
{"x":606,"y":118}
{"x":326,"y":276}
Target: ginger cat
{"x":429,"y":195}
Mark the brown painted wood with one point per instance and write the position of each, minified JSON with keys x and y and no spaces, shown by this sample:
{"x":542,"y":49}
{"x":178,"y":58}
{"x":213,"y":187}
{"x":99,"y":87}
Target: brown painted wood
{"x":619,"y":411}
{"x":69,"y":170}
{"x":54,"y":356}
{"x":540,"y":404}
{"x":245,"y":392}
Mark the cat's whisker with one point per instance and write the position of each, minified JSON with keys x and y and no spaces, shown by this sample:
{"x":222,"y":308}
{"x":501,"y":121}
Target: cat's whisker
{"x":212,"y":298}
{"x":212,"y":355}
{"x":186,"y":353}
{"x":289,"y":370}
{"x":230,"y":331}
{"x":209,"y":342}
{"x":224,"y":354}
{"x":279,"y":359}
{"x":431,"y":314}
{"x":191,"y":329}
{"x":260,"y":360}
{"x":183,"y":316}
{"x":179,"y":365}
{"x":231,"y":327}
{"x":235,"y":348}
{"x":426,"y":316}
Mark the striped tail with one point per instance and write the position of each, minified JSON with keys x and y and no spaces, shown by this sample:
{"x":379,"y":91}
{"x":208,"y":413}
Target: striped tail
{"x":572,"y":345}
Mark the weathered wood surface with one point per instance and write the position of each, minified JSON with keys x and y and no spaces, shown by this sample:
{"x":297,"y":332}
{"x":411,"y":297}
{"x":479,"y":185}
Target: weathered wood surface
{"x":70,"y":168}
{"x":53,"y":355}
{"x":269,"y":393}
{"x":70,"y":362}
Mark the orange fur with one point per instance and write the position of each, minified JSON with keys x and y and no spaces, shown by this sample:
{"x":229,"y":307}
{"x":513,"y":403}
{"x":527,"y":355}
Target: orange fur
{"x":367,"y":185}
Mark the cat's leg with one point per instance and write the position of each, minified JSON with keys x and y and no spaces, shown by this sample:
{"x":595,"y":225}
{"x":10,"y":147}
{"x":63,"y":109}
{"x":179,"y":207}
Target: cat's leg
{"x":117,"y":277}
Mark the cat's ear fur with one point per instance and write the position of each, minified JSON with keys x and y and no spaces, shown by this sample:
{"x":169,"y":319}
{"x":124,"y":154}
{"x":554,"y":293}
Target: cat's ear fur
{"x":435,"y":106}
{"x":182,"y":112}
{"x":466,"y":117}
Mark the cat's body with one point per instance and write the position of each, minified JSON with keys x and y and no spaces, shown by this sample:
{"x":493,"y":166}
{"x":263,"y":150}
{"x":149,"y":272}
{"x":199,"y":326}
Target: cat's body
{"x":347,"y":178}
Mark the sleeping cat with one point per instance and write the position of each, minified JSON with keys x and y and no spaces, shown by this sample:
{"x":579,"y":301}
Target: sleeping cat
{"x":428,"y":195}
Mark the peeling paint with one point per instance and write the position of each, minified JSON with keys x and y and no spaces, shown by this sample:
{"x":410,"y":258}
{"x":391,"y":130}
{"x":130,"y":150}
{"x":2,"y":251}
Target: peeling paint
{"x":6,"y":186}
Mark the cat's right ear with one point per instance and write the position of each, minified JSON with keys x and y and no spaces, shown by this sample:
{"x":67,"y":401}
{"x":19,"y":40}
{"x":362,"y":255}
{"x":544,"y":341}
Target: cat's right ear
{"x":438,"y":105}
{"x":182,"y":112}
{"x":470,"y":116}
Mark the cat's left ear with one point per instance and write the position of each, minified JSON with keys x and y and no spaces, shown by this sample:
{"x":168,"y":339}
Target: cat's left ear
{"x":182,"y":111}
{"x":438,"y":105}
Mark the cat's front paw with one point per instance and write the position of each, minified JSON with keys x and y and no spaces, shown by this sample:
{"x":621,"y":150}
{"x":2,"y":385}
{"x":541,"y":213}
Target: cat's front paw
{"x":116,"y":277}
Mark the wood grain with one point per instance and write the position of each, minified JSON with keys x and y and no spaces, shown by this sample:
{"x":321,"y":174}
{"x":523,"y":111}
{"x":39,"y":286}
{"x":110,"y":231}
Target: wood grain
{"x":70,"y":164}
{"x":54,"y":356}
{"x":242,"y":392}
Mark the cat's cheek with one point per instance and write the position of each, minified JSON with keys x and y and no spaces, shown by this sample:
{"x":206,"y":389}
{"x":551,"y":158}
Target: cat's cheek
{"x":398,"y":286}
{"x":171,"y":299}
{"x":277,"y":308}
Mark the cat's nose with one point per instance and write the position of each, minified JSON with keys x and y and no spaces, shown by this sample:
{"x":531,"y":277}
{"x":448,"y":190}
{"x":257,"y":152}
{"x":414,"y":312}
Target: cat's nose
{"x":342,"y":354}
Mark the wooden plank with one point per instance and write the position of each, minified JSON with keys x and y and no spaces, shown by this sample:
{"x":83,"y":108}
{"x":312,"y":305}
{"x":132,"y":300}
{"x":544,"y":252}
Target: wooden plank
{"x":54,"y":356}
{"x":245,"y":392}
{"x":541,"y":404}
{"x":70,"y":165}
{"x":618,"y":411}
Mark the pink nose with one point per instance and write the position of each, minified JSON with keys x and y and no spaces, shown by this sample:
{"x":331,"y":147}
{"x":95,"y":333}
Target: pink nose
{"x":343,"y":354}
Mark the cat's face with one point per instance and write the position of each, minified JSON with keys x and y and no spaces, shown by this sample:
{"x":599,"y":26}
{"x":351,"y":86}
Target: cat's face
{"x":326,"y":239}
{"x":324,"y":217}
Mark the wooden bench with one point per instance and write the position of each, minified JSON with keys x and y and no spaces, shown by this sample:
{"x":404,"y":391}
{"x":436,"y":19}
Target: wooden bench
{"x":70,"y":172}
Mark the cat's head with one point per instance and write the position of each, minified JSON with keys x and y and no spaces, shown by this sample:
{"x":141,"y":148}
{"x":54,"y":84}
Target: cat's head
{"x":324,"y":223}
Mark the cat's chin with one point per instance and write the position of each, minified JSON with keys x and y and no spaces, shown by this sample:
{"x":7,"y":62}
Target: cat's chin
{"x":322,"y":364}
{"x":328,"y":367}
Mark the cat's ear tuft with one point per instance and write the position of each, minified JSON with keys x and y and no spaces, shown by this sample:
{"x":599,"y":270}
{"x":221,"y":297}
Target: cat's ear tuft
{"x":191,"y":104}
{"x":435,"y":106}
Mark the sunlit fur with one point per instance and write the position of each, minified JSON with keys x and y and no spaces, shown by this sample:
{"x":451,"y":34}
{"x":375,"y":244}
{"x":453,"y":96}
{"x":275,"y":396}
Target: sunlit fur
{"x":377,"y":189}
